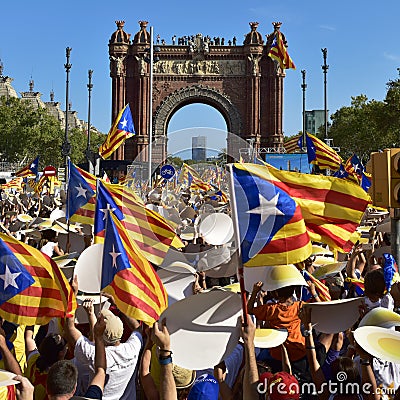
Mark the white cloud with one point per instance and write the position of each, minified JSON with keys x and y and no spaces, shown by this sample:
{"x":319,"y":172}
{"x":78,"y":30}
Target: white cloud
{"x":391,"y":57}
{"x":327,"y":27}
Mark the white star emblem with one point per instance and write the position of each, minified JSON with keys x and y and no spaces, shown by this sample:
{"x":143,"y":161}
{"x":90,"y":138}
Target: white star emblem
{"x":266,"y":208}
{"x":81,"y":191}
{"x":33,"y":165}
{"x":106,"y":210}
{"x":124,"y":123}
{"x":356,"y":167}
{"x":114,"y":256}
{"x":9,"y":278}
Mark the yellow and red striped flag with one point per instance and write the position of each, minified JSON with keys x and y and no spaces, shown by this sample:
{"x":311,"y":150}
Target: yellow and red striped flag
{"x":319,"y":153}
{"x":151,"y":232}
{"x":292,"y":145}
{"x":33,"y":289}
{"x":37,"y":186}
{"x":332,"y":208}
{"x":129,"y":277}
{"x":31,"y":169}
{"x":271,"y":226}
{"x":121,"y":130}
{"x":81,"y":192}
{"x":279,"y":53}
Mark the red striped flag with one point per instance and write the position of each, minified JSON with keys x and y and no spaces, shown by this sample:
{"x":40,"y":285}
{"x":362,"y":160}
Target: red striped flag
{"x":319,"y":153}
{"x":129,"y":277}
{"x":332,"y":208}
{"x":322,"y":290}
{"x":151,"y":232}
{"x":279,"y":53}
{"x":33,"y":288}
{"x":31,"y":169}
{"x":121,"y":130}
{"x":85,"y":213}
{"x":271,"y":226}
{"x":292,"y":145}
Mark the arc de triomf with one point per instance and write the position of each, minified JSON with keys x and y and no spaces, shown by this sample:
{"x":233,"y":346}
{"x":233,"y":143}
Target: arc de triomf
{"x":241,"y":81}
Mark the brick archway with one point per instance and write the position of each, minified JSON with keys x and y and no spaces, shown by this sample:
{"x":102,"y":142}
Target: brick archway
{"x":241,"y":81}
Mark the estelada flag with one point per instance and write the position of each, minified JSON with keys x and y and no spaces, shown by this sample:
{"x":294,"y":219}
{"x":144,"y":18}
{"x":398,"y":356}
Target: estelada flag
{"x":121,"y":130}
{"x":152,"y":233}
{"x":127,"y":275}
{"x":331,"y":208}
{"x":33,"y":290}
{"x":279,"y":53}
{"x":30,"y":170}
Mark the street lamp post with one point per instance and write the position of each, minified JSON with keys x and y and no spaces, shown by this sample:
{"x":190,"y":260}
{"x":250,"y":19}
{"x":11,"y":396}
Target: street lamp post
{"x":151,"y":103}
{"x":89,"y":155}
{"x":66,"y":146}
{"x":325,"y":68}
{"x":304,"y":87}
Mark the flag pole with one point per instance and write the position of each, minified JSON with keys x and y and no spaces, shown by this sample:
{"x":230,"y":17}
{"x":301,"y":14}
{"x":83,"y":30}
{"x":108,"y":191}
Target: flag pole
{"x":237,"y":253}
{"x":67,"y":175}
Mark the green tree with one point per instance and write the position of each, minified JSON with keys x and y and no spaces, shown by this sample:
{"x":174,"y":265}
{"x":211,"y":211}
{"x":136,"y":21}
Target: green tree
{"x":361,"y":128}
{"x":27,"y":132}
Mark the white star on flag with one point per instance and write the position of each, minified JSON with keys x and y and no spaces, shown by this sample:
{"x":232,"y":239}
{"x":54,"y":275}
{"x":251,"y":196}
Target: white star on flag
{"x":33,"y":165}
{"x":124,"y":123}
{"x":9,"y":278}
{"x":81,"y":190}
{"x":266,"y":208}
{"x":104,"y":210}
{"x":114,"y":256}
{"x":356,"y":167}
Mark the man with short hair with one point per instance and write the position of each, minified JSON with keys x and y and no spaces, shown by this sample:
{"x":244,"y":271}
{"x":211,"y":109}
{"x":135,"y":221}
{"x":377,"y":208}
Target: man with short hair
{"x":63,"y":375}
{"x":122,"y":358}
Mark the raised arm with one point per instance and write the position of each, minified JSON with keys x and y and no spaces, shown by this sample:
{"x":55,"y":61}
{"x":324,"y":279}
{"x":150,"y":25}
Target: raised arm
{"x":71,"y":332}
{"x":315,"y":368}
{"x":30,"y":344}
{"x":162,"y":340}
{"x":148,"y":385}
{"x":10,"y":362}
{"x":100,"y":362}
{"x":250,"y":304}
{"x":251,"y":378}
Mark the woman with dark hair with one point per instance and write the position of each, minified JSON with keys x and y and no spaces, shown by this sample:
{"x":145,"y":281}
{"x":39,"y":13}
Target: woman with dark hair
{"x":49,"y":244}
{"x":52,"y":349}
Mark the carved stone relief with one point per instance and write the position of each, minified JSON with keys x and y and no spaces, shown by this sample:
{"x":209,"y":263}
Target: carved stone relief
{"x":201,"y":67}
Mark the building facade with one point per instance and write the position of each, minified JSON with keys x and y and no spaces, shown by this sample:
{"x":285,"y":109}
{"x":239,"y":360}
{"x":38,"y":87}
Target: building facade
{"x":241,"y":81}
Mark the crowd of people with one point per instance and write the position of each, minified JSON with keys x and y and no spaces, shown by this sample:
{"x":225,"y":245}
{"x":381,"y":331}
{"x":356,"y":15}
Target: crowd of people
{"x":114,"y":356}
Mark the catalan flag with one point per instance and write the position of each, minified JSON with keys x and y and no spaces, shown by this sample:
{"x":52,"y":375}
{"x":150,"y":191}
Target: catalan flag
{"x":129,"y":277}
{"x":33,"y":289}
{"x":81,"y":195}
{"x":37,"y":186}
{"x":279,"y":52}
{"x":271,"y":226}
{"x":30,"y":170}
{"x":319,"y":153}
{"x":292,"y":145}
{"x":151,"y":232}
{"x":121,"y":130}
{"x":322,"y":290}
{"x":332,"y":208}
{"x":15,"y":183}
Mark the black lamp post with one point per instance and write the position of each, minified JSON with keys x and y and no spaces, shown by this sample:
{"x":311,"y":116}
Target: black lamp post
{"x":89,"y":155}
{"x":303,"y":88}
{"x":66,"y":146}
{"x":325,"y":68}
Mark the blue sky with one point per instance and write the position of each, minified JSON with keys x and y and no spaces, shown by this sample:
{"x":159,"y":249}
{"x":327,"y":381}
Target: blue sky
{"x":361,"y":38}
